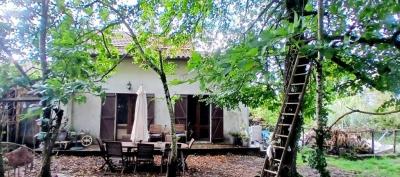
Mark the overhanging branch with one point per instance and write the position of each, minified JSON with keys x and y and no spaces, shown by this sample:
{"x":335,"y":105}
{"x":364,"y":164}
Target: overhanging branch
{"x":350,"y":68}
{"x":393,"y":40}
{"x":362,"y":112}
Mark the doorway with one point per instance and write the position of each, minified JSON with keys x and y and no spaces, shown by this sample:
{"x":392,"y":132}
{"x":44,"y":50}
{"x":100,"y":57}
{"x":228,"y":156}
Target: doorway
{"x":118,"y":114}
{"x":125,"y":115}
{"x":198,"y":119}
{"x":204,"y":122}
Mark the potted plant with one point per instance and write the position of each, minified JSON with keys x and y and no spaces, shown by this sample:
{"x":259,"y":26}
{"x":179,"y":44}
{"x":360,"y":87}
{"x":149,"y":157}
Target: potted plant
{"x":244,"y":138}
{"x":237,"y":138}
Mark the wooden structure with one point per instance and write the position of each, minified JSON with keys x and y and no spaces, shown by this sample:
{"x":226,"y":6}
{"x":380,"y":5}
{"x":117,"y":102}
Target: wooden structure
{"x":13,"y":106}
{"x":364,"y":143}
{"x":282,"y":139}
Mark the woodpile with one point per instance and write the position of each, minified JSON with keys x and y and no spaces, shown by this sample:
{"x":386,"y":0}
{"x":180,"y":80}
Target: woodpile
{"x":341,"y":141}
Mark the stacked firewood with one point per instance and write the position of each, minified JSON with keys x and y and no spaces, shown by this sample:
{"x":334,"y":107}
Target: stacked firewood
{"x":341,"y":141}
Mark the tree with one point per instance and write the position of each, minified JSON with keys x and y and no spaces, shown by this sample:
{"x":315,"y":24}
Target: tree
{"x":51,"y":45}
{"x":360,"y":50}
{"x":158,"y":31}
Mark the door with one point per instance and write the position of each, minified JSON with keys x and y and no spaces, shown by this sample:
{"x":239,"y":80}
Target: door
{"x":217,"y":124}
{"x":150,"y":109}
{"x":181,"y":110}
{"x":126,"y":112}
{"x":107,"y":121}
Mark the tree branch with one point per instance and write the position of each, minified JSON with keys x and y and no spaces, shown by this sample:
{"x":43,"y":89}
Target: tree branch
{"x":362,"y":112}
{"x":114,"y":66}
{"x":370,"y":41}
{"x":260,"y":15}
{"x":105,"y":43}
{"x":42,"y":38}
{"x":17,"y":65}
{"x":351,"y":69}
{"x":134,"y":38}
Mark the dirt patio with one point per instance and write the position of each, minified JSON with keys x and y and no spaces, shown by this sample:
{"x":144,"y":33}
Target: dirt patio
{"x":204,"y":166}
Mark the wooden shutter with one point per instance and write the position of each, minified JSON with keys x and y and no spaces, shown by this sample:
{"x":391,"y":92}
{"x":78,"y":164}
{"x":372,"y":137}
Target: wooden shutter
{"x":107,"y":121}
{"x":217,"y":124}
{"x":181,"y":110}
{"x":150,"y":109}
{"x":131,"y":112}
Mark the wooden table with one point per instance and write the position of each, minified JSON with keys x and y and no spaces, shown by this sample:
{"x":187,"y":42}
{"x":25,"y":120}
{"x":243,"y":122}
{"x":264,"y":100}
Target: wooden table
{"x":158,"y":146}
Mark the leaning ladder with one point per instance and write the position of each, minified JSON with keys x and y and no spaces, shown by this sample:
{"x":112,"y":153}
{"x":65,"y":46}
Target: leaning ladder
{"x":299,"y":72}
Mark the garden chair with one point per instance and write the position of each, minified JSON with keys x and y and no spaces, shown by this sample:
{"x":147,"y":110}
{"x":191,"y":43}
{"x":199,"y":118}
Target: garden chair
{"x":103,"y":154}
{"x":144,"y":155}
{"x":168,"y":138}
{"x":164,"y":156}
{"x":114,"y":153}
{"x":185,"y":155}
{"x":155,"y":132}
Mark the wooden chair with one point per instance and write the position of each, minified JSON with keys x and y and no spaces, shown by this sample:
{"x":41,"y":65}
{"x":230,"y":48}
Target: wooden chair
{"x":168,"y":138}
{"x":103,"y":154}
{"x":164,"y":156}
{"x":185,"y":155}
{"x":114,"y":151}
{"x":144,"y":155}
{"x":155,"y":132}
{"x":180,"y":130}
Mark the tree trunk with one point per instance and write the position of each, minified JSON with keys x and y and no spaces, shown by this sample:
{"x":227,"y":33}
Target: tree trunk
{"x":172,"y":167}
{"x":45,"y":170}
{"x":42,"y":39}
{"x":289,"y":163}
{"x":321,"y":113}
{"x":1,"y":157}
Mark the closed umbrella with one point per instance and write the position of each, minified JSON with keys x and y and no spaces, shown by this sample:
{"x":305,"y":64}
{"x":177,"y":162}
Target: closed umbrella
{"x":139,"y":129}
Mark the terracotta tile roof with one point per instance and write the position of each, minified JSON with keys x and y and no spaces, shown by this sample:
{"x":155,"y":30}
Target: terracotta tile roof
{"x":122,"y":40}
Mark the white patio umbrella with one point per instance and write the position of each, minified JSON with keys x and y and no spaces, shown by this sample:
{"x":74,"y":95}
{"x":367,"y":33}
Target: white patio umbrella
{"x":139,"y":129}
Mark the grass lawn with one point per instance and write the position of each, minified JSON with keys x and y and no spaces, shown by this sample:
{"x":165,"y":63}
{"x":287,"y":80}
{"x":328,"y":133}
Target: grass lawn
{"x":370,"y":167}
{"x":385,"y":167}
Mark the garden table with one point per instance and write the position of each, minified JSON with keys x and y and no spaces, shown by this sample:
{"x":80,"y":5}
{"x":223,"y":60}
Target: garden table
{"x":159,"y":148}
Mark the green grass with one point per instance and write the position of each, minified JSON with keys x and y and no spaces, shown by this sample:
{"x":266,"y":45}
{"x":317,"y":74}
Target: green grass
{"x":370,"y":167}
{"x":382,"y":167}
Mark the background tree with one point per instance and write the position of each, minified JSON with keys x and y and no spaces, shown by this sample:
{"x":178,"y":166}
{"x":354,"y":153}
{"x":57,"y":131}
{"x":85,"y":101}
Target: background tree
{"x":360,"y":47}
{"x":51,"y":45}
{"x":158,"y":31}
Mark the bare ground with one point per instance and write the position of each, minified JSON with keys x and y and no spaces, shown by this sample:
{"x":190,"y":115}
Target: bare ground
{"x":204,"y":166}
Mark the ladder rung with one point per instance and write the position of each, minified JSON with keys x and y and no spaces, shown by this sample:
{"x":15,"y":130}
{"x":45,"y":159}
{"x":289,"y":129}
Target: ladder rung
{"x":302,"y":65}
{"x":288,"y":114}
{"x":278,"y":147}
{"x":301,"y":74}
{"x":292,"y":103}
{"x":297,"y":83}
{"x":284,"y":136}
{"x":286,"y":125}
{"x":294,"y":93}
{"x":269,"y":171}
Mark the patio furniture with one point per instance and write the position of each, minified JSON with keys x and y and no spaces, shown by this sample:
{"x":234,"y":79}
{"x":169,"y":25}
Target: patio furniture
{"x":103,"y":154}
{"x":168,"y":138}
{"x":180,"y":130}
{"x":114,"y":153}
{"x":191,"y":142}
{"x":144,"y":154}
{"x":164,"y":156}
{"x":155,"y":132}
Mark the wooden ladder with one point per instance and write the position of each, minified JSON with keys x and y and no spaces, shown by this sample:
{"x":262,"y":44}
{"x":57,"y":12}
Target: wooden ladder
{"x":299,"y":73}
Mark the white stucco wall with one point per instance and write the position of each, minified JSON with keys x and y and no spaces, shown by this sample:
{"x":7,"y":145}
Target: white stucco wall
{"x":87,"y":116}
